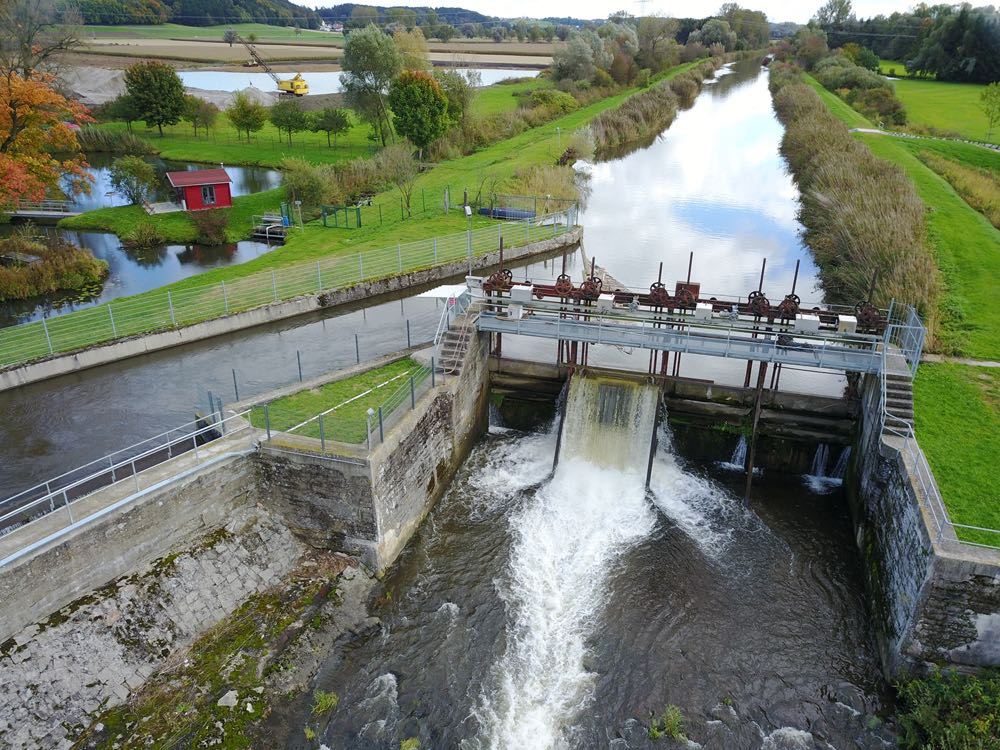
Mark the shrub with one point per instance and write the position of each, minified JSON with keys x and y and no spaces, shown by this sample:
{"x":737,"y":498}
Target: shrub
{"x":557,"y":102}
{"x":102,"y":140}
{"x":63,"y":267}
{"x":948,"y":710}
{"x":211,"y":226}
{"x":303,"y":182}
{"x":879,"y":105}
{"x":686,"y":89}
{"x":144,"y":236}
{"x":559,"y":182}
{"x":862,"y":214}
{"x":642,"y":78}
{"x":602,"y":79}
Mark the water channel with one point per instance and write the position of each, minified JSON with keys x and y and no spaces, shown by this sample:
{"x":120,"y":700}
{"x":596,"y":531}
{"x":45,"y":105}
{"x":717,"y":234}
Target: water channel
{"x":132,"y":271}
{"x":561,"y":612}
{"x":320,"y":81}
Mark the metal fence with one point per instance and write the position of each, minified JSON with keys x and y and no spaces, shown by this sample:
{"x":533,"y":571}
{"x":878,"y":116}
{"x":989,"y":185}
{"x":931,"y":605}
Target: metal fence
{"x":328,"y":431}
{"x":904,"y":337}
{"x":151,"y":312}
{"x":129,"y":468}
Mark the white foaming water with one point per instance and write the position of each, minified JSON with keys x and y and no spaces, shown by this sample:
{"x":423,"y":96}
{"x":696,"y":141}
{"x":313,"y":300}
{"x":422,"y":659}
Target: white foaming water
{"x":818,"y":480}
{"x":565,"y":543}
{"x":700,"y":508}
{"x":789,"y":738}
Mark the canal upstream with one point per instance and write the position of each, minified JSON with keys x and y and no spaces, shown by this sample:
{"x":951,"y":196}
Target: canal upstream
{"x":565,"y":611}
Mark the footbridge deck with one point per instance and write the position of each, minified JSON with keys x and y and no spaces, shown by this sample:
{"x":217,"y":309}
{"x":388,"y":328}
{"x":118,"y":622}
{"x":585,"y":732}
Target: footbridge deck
{"x":799,"y":342}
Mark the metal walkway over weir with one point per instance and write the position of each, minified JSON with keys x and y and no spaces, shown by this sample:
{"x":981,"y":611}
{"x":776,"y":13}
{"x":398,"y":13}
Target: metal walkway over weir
{"x":827,"y":337}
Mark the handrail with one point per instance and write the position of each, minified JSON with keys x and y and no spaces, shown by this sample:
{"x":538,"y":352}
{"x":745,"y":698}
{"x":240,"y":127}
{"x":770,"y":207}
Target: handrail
{"x":111,"y":472}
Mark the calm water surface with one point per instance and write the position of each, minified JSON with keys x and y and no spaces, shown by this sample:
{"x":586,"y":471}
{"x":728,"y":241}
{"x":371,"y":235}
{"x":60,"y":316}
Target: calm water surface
{"x":320,"y":81}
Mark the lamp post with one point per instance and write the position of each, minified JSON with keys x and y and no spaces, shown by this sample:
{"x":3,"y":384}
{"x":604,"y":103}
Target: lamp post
{"x":468,"y":234}
{"x":298,"y":205}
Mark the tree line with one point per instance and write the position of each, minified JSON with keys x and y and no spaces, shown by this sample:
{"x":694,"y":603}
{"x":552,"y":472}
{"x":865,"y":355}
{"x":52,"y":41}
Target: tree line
{"x":951,"y":42}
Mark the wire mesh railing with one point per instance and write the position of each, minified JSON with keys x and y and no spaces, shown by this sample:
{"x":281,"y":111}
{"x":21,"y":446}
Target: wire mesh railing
{"x":175,"y":308}
{"x":129,"y":467}
{"x":329,"y":430}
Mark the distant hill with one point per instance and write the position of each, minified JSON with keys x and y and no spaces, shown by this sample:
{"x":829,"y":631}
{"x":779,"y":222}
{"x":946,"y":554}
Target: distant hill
{"x":197,"y":12}
{"x":455,"y":16}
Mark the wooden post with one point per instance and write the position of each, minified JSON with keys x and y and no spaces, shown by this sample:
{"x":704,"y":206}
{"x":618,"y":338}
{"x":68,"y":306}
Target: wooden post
{"x":761,"y":374}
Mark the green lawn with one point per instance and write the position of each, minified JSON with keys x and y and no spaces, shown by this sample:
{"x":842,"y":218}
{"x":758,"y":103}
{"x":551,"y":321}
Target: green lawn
{"x":347,"y":423}
{"x":958,"y":426}
{"x":886,"y":68}
{"x":264,"y":32}
{"x":967,"y":248}
{"x":946,"y":106}
{"x":844,"y":112}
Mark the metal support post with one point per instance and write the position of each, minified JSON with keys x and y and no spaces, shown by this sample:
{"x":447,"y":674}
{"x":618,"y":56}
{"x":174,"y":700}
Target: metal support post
{"x":267,"y":420}
{"x":319,"y":278}
{"x":381,"y":427}
{"x":361,"y":268}
{"x":48,"y":339}
{"x":435,"y":250}
{"x":433,"y":384}
{"x":408,"y":345}
{"x":413,"y":393}
{"x":357,"y":349}
{"x":225,"y":297}
{"x":322,"y":436}
{"x":298,"y":358}
{"x":170,"y":304}
{"x":236,"y":388}
{"x":399,"y":256}
{"x":114,"y":329}
{"x":761,"y":375}
{"x":274,"y":286}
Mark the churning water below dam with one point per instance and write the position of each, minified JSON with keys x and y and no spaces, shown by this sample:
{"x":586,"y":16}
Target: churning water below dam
{"x":565,"y":609}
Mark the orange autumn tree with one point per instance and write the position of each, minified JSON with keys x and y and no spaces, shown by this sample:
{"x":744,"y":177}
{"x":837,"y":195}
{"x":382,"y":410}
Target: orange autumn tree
{"x":38,"y":145}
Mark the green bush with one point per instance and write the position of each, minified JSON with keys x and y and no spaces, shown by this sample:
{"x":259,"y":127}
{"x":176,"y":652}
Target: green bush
{"x":670,"y":724}
{"x":324,"y":702}
{"x":948,"y":711}
{"x":144,"y":236}
{"x":211,"y":226}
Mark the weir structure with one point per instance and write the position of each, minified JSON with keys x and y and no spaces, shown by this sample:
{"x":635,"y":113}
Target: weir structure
{"x":851,"y":340}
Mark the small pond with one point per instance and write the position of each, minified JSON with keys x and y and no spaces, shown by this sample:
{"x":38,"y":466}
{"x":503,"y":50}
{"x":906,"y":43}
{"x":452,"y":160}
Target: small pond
{"x":320,"y":81}
{"x":130,"y":272}
{"x":245,"y":180}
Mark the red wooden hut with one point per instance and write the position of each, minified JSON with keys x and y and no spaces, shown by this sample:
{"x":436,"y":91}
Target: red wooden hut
{"x":201,"y":189}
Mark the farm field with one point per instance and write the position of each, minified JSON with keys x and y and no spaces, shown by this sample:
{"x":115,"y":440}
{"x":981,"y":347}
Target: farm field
{"x":264,"y":32}
{"x":946,"y":106}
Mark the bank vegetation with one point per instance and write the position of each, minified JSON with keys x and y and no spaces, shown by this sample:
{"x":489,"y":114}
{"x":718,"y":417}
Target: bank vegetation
{"x":32,"y":266}
{"x":862,"y":215}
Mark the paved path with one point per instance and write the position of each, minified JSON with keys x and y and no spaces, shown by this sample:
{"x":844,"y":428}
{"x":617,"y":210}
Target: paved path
{"x":959,"y":360}
{"x":876,"y":131}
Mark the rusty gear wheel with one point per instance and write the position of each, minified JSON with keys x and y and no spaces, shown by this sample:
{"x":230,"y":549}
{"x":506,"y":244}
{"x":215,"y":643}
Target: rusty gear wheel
{"x":759,"y":305}
{"x":564,"y":285}
{"x":788,"y":308}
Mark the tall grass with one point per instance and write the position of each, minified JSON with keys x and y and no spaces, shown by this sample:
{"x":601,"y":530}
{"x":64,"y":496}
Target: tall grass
{"x":100,"y":140}
{"x":980,"y":188}
{"x":862,"y":215}
{"x":649,"y":111}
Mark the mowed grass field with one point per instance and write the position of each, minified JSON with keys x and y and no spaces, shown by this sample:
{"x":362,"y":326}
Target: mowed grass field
{"x":264,"y":32}
{"x":946,"y":106}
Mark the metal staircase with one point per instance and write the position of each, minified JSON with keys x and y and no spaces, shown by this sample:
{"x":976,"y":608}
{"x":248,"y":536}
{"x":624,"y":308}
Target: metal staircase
{"x":454,"y":343}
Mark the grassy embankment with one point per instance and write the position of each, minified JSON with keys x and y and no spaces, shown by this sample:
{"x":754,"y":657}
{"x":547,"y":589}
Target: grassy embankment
{"x":200,"y":298}
{"x":957,"y":407}
{"x":348,"y":423}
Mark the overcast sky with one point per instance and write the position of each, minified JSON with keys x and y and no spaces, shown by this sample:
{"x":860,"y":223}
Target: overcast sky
{"x":777,"y":10}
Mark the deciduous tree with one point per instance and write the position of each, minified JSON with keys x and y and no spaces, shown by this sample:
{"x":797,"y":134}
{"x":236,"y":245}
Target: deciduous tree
{"x":989,"y":102}
{"x":397,"y":165}
{"x":36,"y":122}
{"x":332,"y":122}
{"x":133,"y":177}
{"x":287,"y":115}
{"x":123,"y":109}
{"x":157,"y":92}
{"x":370,"y":62}
{"x":33,"y":33}
{"x":419,"y":107}
{"x":246,"y":116}
{"x":412,"y":48}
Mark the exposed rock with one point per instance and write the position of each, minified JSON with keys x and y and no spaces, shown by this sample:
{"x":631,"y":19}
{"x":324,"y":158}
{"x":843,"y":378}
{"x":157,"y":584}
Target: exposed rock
{"x":229,"y":700}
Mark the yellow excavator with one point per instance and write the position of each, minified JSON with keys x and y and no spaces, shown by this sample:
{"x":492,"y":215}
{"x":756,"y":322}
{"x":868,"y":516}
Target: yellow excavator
{"x":295,"y":86}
